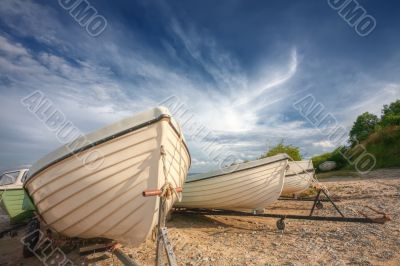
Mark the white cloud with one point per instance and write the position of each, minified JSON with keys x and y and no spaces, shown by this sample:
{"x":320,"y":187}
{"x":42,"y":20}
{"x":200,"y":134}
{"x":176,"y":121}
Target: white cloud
{"x":117,"y":75}
{"x":31,"y":19}
{"x":91,"y":95}
{"x":8,"y":49}
{"x":324,"y":144}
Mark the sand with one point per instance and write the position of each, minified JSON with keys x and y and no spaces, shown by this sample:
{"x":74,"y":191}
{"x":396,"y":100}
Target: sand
{"x":214,"y":240}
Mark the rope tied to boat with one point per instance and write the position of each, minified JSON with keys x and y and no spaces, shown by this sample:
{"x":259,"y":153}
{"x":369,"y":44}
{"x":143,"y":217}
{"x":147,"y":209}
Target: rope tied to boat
{"x":315,"y":182}
{"x":168,"y":189}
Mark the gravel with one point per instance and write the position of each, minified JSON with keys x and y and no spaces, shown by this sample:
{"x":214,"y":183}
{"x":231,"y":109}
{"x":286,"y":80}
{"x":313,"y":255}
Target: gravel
{"x":256,"y":241}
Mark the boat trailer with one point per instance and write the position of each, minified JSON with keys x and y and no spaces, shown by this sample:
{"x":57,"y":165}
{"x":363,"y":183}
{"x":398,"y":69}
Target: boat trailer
{"x":280,"y":224}
{"x":114,"y":248}
{"x":32,"y":228}
{"x":163,"y":242}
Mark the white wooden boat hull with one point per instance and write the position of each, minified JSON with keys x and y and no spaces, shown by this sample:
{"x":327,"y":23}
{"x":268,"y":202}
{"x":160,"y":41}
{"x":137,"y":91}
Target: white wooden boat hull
{"x":298,"y":177}
{"x":78,"y":201}
{"x":252,"y":188}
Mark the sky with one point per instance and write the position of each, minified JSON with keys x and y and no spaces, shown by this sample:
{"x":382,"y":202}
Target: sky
{"x":237,"y":67}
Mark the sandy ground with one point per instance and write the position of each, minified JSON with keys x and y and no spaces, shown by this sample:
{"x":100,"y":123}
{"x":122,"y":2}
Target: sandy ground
{"x":213,"y":240}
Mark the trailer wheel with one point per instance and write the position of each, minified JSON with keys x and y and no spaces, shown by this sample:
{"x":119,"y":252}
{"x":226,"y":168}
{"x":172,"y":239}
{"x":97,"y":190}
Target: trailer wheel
{"x":280,"y":224}
{"x":319,"y":205}
{"x":31,"y":238}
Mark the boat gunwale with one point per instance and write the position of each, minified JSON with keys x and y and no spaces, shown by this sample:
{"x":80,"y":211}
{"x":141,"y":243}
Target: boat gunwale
{"x":106,"y":139}
{"x":282,"y":157}
{"x":242,"y":194}
{"x":231,"y":186}
{"x":232,"y":178}
{"x":13,"y":188}
{"x":302,"y":172}
{"x":248,"y":198}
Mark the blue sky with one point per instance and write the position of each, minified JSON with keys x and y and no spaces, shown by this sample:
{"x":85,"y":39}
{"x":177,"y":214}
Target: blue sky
{"x":237,"y":66}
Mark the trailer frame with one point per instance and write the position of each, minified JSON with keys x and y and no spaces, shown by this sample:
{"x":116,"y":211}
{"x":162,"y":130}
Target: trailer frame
{"x":280,"y":224}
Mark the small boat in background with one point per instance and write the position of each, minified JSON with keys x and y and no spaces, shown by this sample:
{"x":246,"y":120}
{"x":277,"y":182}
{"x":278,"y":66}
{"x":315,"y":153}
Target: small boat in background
{"x":299,"y":177}
{"x":246,"y":186}
{"x":13,"y":198}
{"x":93,"y":187}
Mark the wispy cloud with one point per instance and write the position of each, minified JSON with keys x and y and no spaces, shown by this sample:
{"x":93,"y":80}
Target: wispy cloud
{"x":97,"y":81}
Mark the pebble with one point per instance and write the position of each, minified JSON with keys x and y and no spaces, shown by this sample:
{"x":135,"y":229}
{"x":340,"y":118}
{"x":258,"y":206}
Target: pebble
{"x":386,"y":255}
{"x":302,"y":243}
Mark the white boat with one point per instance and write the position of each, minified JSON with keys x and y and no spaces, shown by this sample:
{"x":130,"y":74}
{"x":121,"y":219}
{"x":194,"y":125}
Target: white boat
{"x":299,"y":177}
{"x":95,"y":188}
{"x":327,"y":166}
{"x":247,"y":186}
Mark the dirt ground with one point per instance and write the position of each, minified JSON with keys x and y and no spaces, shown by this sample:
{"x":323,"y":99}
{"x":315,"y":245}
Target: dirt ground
{"x":217,"y":240}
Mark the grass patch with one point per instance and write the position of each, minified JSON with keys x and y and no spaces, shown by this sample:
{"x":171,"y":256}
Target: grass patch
{"x":385,"y":146}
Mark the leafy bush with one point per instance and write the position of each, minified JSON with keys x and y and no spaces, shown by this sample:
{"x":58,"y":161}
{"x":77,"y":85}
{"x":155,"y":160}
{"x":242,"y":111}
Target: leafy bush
{"x":317,"y":160}
{"x":391,"y":114}
{"x":335,"y":156}
{"x":338,"y":158}
{"x":385,"y":146}
{"x":363,"y":126}
{"x":290,"y":150}
{"x":380,"y":137}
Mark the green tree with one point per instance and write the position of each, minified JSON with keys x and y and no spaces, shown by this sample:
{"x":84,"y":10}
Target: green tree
{"x":291,"y":150}
{"x":391,"y":114}
{"x":363,"y":126}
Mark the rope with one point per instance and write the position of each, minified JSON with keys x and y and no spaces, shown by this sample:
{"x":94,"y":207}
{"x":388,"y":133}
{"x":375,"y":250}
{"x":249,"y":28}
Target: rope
{"x":315,"y":182}
{"x":168,"y":189}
